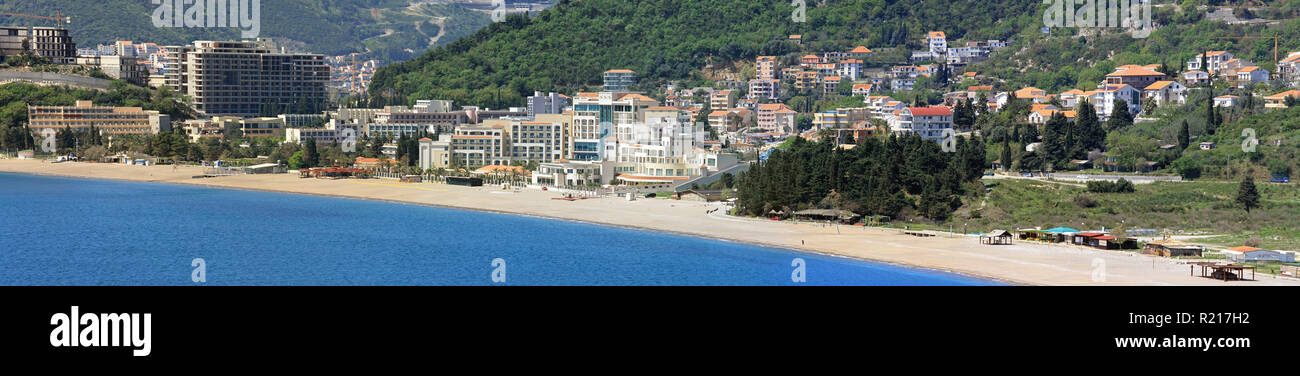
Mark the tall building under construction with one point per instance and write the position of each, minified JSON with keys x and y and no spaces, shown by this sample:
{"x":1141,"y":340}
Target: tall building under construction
{"x":239,"y":78}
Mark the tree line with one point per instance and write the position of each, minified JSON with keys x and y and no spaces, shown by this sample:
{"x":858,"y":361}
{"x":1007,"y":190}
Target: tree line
{"x":896,"y":176}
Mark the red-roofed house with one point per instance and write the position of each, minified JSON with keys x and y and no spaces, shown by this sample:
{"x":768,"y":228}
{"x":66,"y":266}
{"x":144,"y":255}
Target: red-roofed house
{"x":1250,"y":75}
{"x":931,"y":123}
{"x":777,"y":117}
{"x":863,"y":89}
{"x":1279,"y":100}
{"x":938,"y":42}
{"x":1137,"y":77}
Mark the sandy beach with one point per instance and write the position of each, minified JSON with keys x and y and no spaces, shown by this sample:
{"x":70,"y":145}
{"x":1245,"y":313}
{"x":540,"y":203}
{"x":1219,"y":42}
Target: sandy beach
{"x":1021,"y":263}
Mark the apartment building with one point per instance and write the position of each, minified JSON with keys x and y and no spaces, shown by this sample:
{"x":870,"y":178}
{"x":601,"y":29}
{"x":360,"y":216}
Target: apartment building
{"x":830,"y":85}
{"x":548,"y":103}
{"x":537,"y":140}
{"x":1213,"y":60}
{"x":54,"y":43}
{"x":619,"y":80}
{"x":1105,"y":99}
{"x":765,"y":67}
{"x":777,"y":117}
{"x":122,"y":68}
{"x":433,"y":118}
{"x":764,"y":88}
{"x":720,"y":99}
{"x":931,"y":123}
{"x":238,"y":78}
{"x":479,"y":145}
{"x":840,"y":117}
{"x":938,"y":43}
{"x":805,"y":80}
{"x":850,"y":69}
{"x":108,"y":120}
{"x":1135,"y":76}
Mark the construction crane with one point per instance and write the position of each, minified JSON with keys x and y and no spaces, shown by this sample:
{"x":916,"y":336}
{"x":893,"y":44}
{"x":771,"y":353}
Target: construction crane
{"x":58,"y":20}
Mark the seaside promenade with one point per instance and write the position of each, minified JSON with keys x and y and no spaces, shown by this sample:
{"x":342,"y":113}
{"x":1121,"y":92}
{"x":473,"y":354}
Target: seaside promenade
{"x":1021,"y":263}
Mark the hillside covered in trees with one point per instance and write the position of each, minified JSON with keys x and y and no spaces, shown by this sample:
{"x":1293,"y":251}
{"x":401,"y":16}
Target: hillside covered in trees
{"x":567,"y":47}
{"x":383,"y":29}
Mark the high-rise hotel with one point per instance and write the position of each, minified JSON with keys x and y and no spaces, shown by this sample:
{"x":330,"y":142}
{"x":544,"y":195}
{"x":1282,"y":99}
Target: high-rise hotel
{"x":239,"y":78}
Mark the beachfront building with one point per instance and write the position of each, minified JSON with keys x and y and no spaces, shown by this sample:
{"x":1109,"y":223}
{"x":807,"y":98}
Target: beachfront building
{"x":198,"y":129}
{"x":435,"y":154}
{"x":931,"y":123}
{"x":543,"y":139}
{"x":430,"y":116}
{"x":479,"y":145}
{"x":597,"y":117}
{"x":666,"y":136}
{"x":1172,"y":248}
{"x":1253,"y":254}
{"x":108,"y":120}
{"x":564,"y":173}
{"x":240,"y":78}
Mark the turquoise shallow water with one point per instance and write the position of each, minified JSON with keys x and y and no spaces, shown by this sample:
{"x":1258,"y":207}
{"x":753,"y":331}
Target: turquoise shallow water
{"x":64,"y":231}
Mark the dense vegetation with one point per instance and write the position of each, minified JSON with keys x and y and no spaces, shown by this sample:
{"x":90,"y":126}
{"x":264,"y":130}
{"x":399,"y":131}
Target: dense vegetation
{"x":382,"y":29}
{"x":897,"y":177}
{"x":569,"y":46}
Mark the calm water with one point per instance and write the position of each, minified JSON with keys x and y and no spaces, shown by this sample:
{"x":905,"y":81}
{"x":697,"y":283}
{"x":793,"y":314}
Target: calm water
{"x":61,"y":231}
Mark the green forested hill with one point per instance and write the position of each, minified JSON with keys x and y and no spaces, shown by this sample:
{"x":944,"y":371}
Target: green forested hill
{"x":571,"y":44}
{"x":384,"y":28}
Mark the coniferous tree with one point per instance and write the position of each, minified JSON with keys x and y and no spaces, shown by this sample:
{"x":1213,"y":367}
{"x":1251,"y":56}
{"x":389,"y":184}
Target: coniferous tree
{"x":1120,"y":118}
{"x":1247,"y":195}
{"x":1184,"y":136}
{"x":1054,"y":145}
{"x":1091,"y":134}
{"x":310,"y":156}
{"x":1005,"y":156}
{"x":1030,"y":135}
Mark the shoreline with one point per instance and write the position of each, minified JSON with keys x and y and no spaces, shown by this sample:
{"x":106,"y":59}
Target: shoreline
{"x":1019,"y":264}
{"x":991,"y":278}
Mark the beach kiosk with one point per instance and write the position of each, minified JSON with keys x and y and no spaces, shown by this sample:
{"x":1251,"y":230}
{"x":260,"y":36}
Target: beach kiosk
{"x":996,"y":237}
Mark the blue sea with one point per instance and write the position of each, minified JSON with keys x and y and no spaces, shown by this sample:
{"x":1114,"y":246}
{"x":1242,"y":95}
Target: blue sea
{"x":65,"y":231}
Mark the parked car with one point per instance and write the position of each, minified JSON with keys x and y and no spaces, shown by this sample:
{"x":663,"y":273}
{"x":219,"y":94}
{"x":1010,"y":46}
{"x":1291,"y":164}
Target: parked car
{"x":1280,"y":179}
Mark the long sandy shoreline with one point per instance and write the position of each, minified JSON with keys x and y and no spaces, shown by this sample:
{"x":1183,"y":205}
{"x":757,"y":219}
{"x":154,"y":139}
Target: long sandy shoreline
{"x":1024,"y":264}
